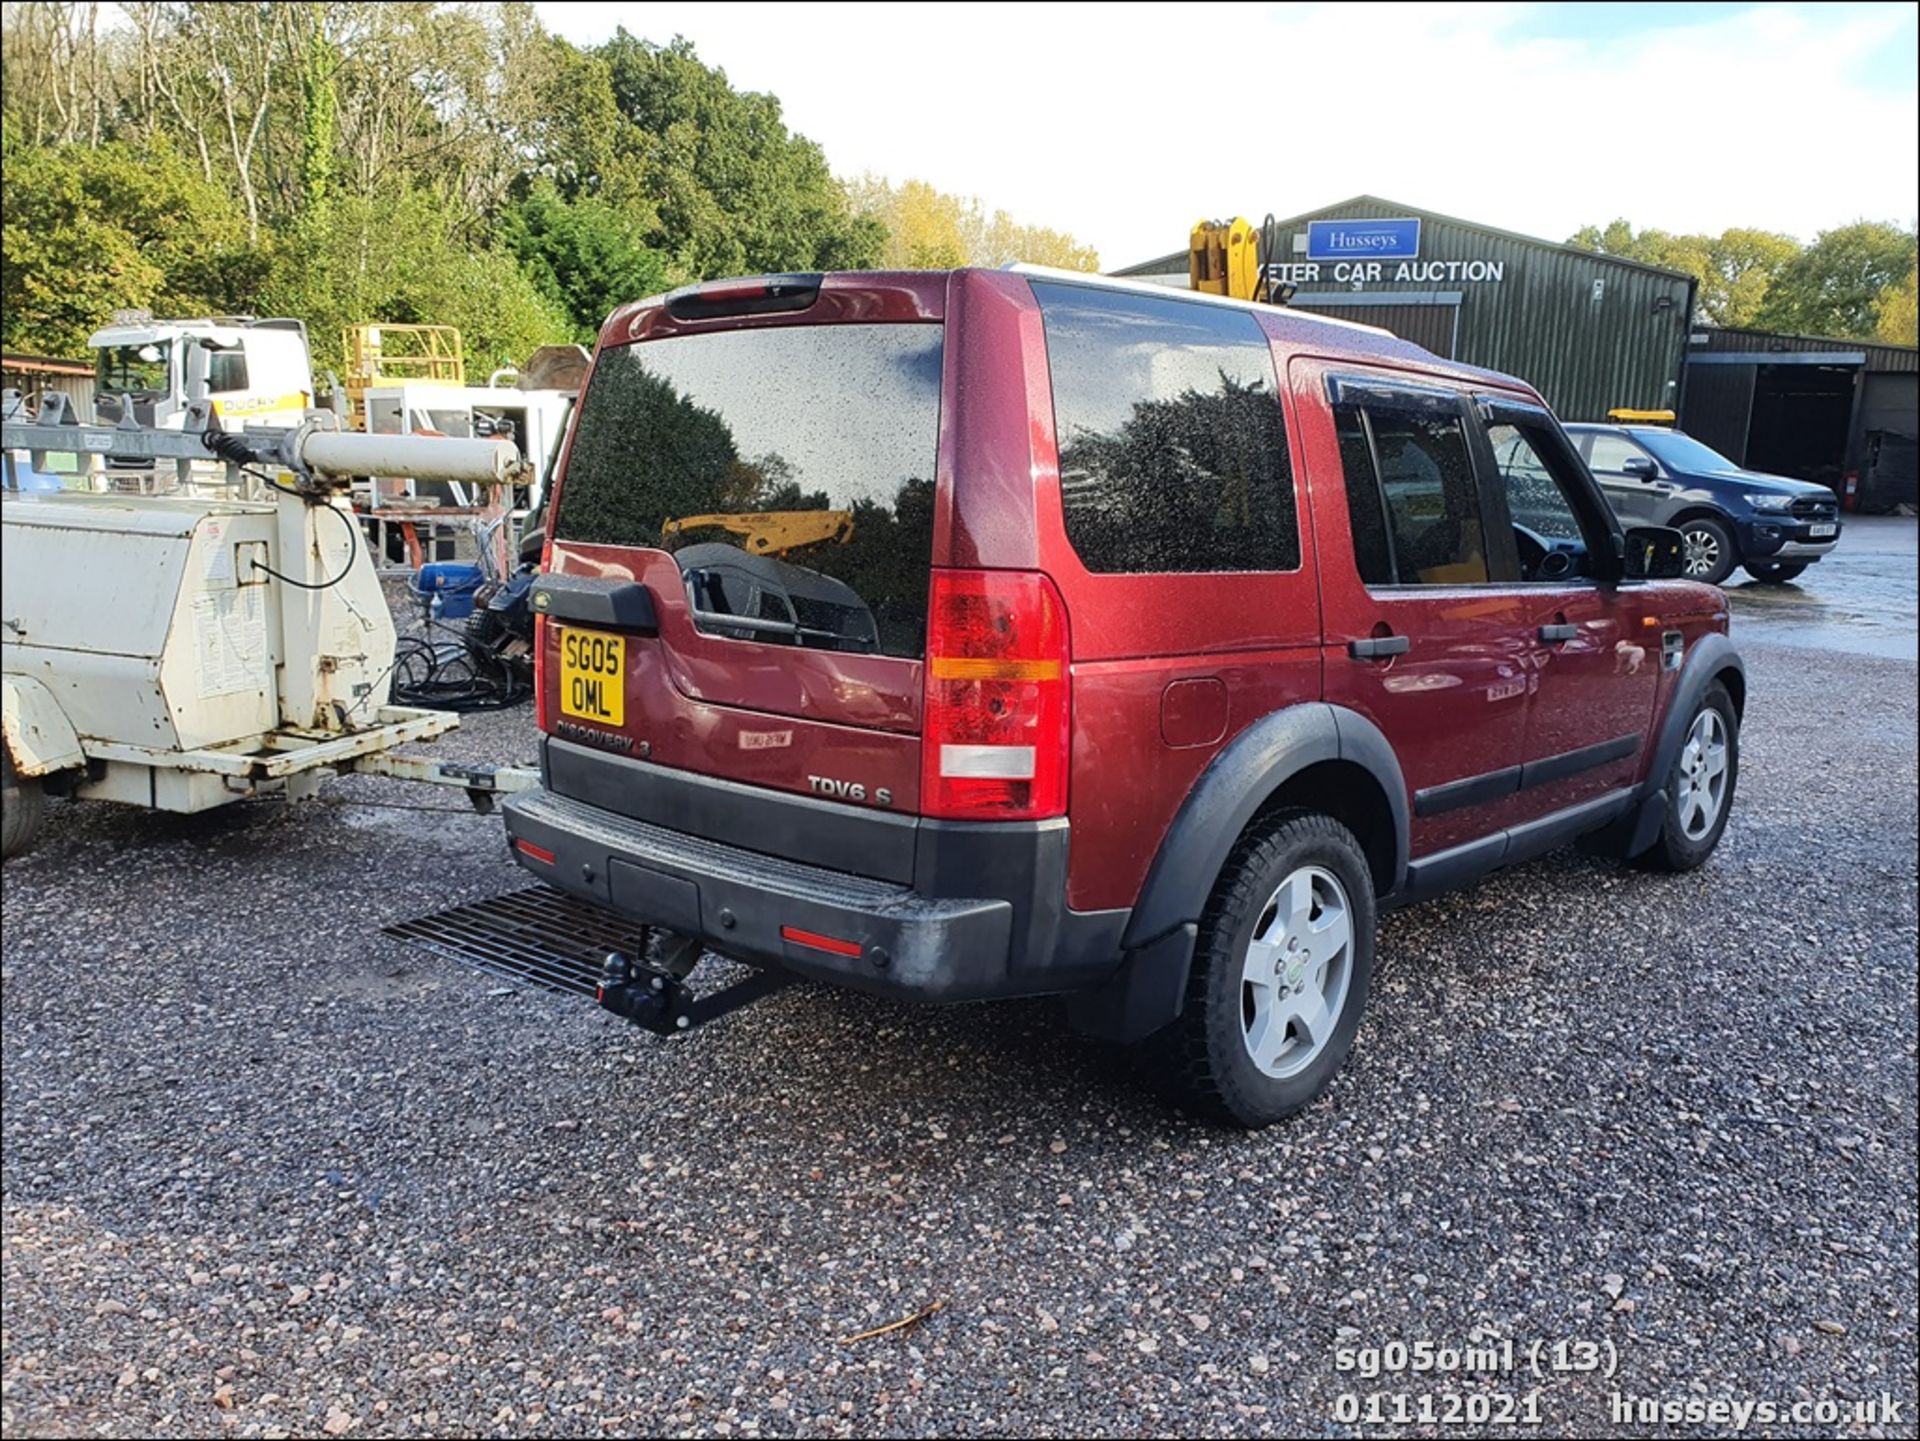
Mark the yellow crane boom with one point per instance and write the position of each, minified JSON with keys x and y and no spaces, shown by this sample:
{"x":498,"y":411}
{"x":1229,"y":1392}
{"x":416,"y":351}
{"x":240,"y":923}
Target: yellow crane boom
{"x":770,"y":532}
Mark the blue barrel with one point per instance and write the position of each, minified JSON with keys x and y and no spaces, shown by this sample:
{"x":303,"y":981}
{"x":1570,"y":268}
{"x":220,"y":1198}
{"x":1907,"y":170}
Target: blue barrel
{"x":452,"y":583}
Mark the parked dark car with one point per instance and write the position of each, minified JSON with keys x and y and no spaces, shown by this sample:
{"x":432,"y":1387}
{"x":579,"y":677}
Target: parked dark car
{"x":990,"y":634}
{"x":1773,"y":526}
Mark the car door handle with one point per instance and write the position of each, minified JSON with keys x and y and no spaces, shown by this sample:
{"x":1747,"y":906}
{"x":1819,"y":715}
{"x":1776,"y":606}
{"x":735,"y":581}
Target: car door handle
{"x":1558,"y":633}
{"x":1378,"y":647}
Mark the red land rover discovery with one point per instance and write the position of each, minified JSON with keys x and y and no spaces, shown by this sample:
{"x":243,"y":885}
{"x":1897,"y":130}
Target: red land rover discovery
{"x":1010,"y":633}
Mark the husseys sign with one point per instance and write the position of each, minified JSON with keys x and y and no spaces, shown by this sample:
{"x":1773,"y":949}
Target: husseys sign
{"x":1376,"y":252}
{"x":1362,"y":239}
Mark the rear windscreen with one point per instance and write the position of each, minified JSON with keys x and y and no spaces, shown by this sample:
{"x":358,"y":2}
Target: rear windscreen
{"x":789,"y":469}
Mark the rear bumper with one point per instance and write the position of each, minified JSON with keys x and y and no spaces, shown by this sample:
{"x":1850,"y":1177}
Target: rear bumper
{"x":985,"y":916}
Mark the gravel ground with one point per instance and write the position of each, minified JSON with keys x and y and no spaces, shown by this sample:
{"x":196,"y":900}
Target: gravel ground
{"x":267,"y":1171}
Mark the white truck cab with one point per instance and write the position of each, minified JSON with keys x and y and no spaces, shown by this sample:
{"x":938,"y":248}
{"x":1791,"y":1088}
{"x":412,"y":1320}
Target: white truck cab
{"x":255,"y":372}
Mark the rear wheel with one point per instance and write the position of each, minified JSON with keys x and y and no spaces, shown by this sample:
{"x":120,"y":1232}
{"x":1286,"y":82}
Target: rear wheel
{"x":1775,"y":572}
{"x":23,"y":806}
{"x":1700,"y":787}
{"x":1708,"y":547}
{"x":1280,"y":974}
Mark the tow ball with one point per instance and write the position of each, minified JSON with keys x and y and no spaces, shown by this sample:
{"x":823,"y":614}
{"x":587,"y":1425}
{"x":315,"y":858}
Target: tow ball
{"x":646,"y":997}
{"x":653,"y":994}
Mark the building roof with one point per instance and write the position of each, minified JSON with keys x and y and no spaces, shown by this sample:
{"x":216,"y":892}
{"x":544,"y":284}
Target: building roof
{"x":1177,"y":261}
{"x":1882,"y":355}
{"x":43,"y":365}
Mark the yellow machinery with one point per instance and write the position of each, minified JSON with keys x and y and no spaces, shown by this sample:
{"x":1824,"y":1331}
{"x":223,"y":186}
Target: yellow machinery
{"x":1229,"y":257}
{"x":770,"y":532}
{"x":1223,"y":258}
{"x":1620,"y":415}
{"x":377,"y":353}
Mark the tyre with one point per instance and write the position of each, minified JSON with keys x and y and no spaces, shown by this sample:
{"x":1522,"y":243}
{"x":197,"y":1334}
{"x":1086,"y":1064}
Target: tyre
{"x":1775,"y":572}
{"x":483,"y":627}
{"x":23,"y":806}
{"x":1707,"y":545}
{"x":1280,"y":975}
{"x":1700,"y":787}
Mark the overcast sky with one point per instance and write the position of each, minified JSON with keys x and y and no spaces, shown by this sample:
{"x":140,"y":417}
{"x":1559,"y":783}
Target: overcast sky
{"x":1123,"y":123}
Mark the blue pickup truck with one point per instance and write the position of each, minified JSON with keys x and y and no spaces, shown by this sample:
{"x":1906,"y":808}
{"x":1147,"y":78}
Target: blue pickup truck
{"x":1773,"y":526}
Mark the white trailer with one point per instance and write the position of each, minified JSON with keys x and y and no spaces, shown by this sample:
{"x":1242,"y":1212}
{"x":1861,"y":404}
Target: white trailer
{"x":182,"y":653}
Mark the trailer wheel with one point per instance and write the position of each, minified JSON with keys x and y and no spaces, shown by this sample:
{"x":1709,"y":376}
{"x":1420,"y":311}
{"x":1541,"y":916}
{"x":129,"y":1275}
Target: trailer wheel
{"x":23,"y":805}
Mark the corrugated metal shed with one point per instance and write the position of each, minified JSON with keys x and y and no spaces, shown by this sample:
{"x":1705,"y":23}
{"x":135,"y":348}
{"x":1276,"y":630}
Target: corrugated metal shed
{"x":1590,"y":332}
{"x":32,"y":374}
{"x":1747,"y":395}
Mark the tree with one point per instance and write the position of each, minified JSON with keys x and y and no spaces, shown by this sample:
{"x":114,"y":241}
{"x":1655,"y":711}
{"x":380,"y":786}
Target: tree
{"x":576,"y":136}
{"x":1895,"y":321}
{"x":407,"y":160}
{"x":58,"y":81}
{"x":1834,"y":287}
{"x":1744,"y":266}
{"x":400,"y":258}
{"x":735,"y":190}
{"x":1735,"y":269}
{"x":582,"y":255}
{"x":89,"y":230}
{"x":319,"y":63}
{"x":928,"y":229}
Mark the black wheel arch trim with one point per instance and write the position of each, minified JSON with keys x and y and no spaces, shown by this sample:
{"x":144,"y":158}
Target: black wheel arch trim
{"x":1236,"y":784}
{"x":1686,"y":510}
{"x":1710,"y":658}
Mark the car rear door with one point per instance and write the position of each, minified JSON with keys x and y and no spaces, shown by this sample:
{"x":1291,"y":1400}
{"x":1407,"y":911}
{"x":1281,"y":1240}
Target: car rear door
{"x":766,"y":477}
{"x":1419,"y":638}
{"x":1594,"y":644}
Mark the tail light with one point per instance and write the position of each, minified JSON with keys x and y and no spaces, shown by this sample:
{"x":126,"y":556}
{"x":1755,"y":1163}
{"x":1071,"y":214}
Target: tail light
{"x":994,"y":734}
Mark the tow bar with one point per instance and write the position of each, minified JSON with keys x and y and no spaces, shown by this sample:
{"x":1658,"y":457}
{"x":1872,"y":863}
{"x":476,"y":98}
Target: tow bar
{"x":654,"y":994}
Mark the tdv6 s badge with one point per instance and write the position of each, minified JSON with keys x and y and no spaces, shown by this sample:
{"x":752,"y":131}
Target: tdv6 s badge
{"x":847,"y":790}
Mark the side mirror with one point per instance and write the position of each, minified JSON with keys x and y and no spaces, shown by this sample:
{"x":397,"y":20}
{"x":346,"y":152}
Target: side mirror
{"x":1654,"y":552}
{"x":1640,"y":468}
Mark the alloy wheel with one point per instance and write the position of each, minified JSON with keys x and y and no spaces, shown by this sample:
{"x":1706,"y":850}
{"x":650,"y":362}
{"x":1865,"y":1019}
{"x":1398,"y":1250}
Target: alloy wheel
{"x":1296,"y":972}
{"x":1702,"y":550}
{"x":1703,"y":774}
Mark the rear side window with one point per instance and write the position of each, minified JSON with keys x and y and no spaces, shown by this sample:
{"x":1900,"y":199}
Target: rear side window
{"x":1610,"y":453}
{"x":1372,"y":550}
{"x":789,"y":468}
{"x":1411,"y":495}
{"x":1173,"y":445}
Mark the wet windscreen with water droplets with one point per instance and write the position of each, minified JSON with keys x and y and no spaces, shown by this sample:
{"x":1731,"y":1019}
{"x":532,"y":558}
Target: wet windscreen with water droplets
{"x":789,"y":468}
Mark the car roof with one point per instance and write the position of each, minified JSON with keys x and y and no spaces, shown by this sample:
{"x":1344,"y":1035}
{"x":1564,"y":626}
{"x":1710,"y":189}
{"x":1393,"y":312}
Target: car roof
{"x":1302,"y":327}
{"x":1305,"y":329}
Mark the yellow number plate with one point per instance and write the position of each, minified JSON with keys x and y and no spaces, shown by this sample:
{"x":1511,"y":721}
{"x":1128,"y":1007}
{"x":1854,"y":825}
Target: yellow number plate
{"x":593,"y":669}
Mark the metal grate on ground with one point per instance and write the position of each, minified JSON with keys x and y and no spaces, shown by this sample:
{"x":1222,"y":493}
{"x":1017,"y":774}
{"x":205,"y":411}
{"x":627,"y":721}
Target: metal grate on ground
{"x":538,"y":937}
